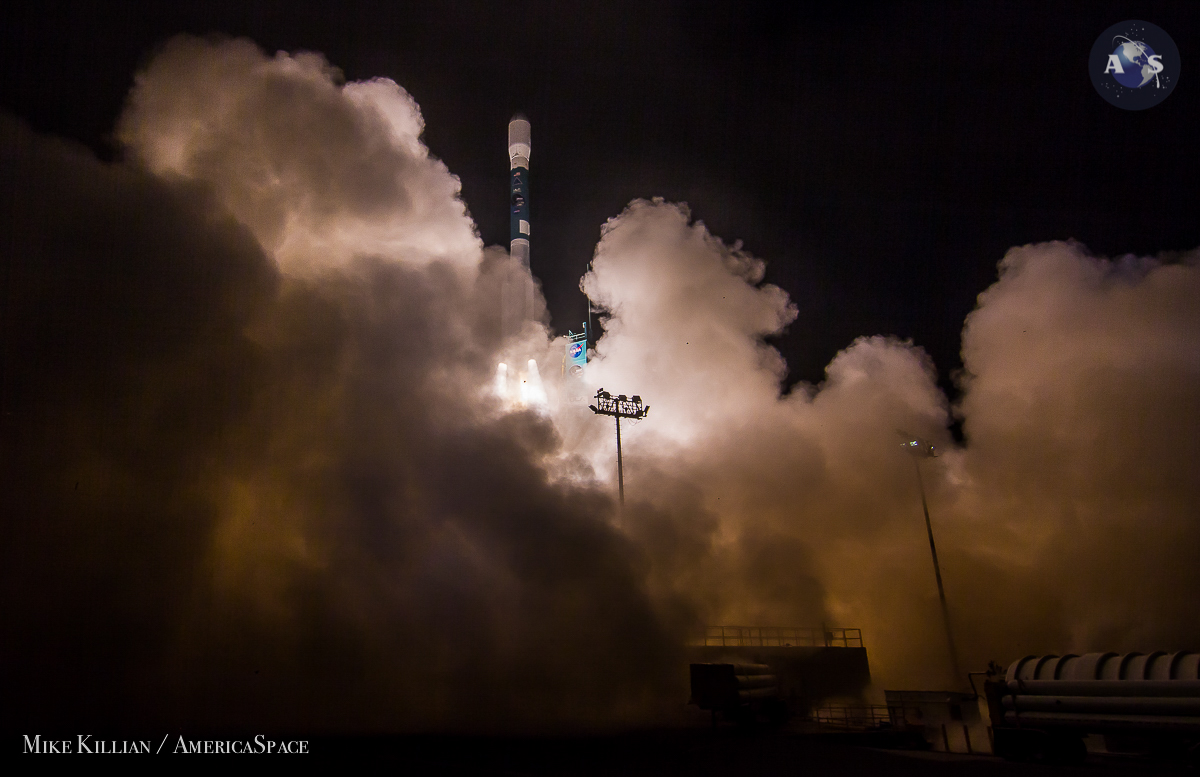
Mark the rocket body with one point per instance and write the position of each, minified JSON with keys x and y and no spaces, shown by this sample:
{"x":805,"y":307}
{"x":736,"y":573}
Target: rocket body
{"x":518,"y":289}
{"x":518,"y":188}
{"x":517,"y":294}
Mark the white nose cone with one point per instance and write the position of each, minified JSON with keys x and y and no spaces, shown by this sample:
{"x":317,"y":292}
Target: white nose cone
{"x":518,"y":141}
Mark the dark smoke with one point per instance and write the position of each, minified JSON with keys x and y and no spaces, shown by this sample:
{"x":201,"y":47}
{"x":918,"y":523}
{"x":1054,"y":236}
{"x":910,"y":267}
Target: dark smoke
{"x":237,"y":496}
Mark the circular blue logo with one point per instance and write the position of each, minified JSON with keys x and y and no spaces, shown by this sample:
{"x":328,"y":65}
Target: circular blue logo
{"x":1134,"y":65}
{"x":576,"y":349}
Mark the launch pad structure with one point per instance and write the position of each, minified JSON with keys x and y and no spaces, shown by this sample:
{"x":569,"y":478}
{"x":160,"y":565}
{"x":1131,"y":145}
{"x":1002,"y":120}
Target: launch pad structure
{"x":810,"y":665}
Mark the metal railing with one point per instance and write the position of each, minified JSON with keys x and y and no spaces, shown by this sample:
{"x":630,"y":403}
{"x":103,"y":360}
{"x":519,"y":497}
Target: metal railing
{"x":777,"y":636}
{"x":854,"y":718}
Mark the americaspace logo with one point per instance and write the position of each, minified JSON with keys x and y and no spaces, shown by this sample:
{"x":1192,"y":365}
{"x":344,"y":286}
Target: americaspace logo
{"x":1134,"y":65}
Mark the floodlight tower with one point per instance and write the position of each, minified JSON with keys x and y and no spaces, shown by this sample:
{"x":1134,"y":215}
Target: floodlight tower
{"x":619,"y":407}
{"x":920,"y":449}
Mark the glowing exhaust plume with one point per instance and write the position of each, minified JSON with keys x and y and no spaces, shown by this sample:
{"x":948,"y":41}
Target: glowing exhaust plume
{"x":501,"y":386}
{"x":278,"y":382}
{"x":530,"y":392}
{"x":533,"y":393}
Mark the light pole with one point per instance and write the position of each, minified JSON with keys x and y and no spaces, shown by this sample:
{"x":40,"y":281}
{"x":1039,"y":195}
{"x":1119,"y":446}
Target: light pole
{"x":619,"y":407}
{"x":920,"y":449}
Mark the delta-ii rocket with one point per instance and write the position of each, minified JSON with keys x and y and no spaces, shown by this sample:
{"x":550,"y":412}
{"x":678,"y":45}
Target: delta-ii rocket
{"x":516,"y":303}
{"x":517,"y":288}
{"x":518,"y":188}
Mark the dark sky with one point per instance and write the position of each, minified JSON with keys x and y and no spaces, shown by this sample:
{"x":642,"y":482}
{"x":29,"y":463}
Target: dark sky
{"x":881,"y":157}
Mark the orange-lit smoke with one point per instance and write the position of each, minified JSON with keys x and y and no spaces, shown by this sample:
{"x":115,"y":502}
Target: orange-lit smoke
{"x":1066,"y":522}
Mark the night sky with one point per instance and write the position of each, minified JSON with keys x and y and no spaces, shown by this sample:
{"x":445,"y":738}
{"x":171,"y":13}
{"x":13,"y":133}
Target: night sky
{"x":880,"y":157}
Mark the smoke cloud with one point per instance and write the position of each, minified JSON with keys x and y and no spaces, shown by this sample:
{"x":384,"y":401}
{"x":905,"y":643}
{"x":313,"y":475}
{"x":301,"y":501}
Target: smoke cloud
{"x":256,"y":474}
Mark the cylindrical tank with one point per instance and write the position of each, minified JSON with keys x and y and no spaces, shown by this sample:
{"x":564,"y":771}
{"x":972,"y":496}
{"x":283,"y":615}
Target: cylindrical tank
{"x":1105,"y":691}
{"x":1106,"y":666}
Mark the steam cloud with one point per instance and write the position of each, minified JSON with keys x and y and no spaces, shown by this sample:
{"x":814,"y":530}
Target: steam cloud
{"x":254,"y":473}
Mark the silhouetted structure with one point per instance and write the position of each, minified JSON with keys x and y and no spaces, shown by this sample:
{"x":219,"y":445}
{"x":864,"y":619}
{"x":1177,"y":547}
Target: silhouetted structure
{"x":619,"y":407}
{"x":809,"y":665}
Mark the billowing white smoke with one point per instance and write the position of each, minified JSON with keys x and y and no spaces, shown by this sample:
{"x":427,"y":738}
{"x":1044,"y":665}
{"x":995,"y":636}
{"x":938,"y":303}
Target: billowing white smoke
{"x":1067,"y":522}
{"x":796,"y":498}
{"x":320,"y":171}
{"x":1081,"y":412}
{"x":347,"y":507}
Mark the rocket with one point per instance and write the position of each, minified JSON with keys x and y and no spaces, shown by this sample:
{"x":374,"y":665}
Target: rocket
{"x":517,"y":293}
{"x":518,"y":188}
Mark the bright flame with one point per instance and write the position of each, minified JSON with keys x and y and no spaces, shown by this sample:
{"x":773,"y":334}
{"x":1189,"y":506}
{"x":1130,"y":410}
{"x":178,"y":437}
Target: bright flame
{"x":533,"y":393}
{"x":502,"y":380}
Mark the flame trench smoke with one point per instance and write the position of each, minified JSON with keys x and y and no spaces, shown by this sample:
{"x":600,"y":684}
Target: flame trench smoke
{"x":254,"y":472}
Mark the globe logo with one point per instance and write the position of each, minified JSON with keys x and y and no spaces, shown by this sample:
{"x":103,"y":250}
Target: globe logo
{"x":1134,"y":65}
{"x":576,"y":350}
